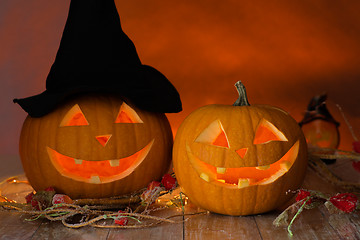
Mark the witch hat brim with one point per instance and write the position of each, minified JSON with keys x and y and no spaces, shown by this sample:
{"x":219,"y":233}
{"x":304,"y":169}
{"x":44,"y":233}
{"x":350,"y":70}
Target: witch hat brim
{"x":95,"y":55}
{"x":317,"y":109}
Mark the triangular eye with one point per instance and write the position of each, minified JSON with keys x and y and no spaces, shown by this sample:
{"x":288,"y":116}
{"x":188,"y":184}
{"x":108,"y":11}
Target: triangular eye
{"x":267,"y":132}
{"x":127,"y":115}
{"x":214,"y":134}
{"x":74,"y":117}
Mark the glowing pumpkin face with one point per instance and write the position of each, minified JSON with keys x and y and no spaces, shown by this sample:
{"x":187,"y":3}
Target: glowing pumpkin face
{"x":239,"y":160}
{"x":95,"y":146}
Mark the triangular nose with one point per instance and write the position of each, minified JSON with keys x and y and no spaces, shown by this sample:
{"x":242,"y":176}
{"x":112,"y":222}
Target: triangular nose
{"x":103,"y":139}
{"x":242,"y":152}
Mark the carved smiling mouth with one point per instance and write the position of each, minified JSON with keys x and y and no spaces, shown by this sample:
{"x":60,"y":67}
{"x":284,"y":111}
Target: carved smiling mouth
{"x":237,"y":178}
{"x":97,"y":172}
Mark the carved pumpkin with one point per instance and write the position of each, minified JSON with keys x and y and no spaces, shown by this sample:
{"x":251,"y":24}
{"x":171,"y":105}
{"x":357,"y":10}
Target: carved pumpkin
{"x":239,"y":160}
{"x":95,"y":146}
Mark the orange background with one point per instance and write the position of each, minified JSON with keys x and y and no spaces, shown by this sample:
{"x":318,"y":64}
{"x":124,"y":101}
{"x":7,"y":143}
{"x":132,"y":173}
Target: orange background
{"x":285,"y":52}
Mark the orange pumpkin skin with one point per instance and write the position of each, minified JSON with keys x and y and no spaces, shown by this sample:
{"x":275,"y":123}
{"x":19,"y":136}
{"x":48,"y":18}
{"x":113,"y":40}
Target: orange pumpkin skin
{"x":197,"y":160}
{"x":320,"y":133}
{"x":91,"y":158}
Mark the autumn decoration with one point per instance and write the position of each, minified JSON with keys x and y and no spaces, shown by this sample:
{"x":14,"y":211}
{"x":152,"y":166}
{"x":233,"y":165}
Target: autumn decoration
{"x":99,"y":129}
{"x":135,"y":210}
{"x":240,"y":159}
{"x":95,"y":146}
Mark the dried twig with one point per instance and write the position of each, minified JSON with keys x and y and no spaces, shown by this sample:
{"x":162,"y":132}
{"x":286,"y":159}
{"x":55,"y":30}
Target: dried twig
{"x":322,"y":170}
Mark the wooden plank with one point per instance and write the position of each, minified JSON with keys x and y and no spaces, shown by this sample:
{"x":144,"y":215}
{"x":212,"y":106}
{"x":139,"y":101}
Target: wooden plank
{"x":17,"y":233}
{"x":216,"y":226}
{"x":14,"y":226}
{"x":12,"y":218}
{"x":169,"y":231}
{"x":56,"y":230}
{"x":345,"y":225}
{"x":311,"y":224}
{"x":164,"y":231}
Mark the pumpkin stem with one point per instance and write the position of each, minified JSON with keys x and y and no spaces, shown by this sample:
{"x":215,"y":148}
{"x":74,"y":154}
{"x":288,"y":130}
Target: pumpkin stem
{"x":242,"y":100}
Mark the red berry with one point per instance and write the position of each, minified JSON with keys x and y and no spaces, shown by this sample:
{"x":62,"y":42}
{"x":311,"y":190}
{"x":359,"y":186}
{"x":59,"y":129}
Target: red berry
{"x":168,"y":182}
{"x":123,"y":221}
{"x":346,"y":202}
{"x":29,"y":197}
{"x":61,"y":198}
{"x":303,"y":195}
{"x":35,"y":204}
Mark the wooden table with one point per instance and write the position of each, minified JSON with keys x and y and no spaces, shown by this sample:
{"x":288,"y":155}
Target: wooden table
{"x":311,"y":224}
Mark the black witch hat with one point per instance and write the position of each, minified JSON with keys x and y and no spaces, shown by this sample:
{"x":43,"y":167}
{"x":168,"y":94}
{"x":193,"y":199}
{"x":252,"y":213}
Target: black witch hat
{"x":317,"y":109}
{"x":95,"y":55}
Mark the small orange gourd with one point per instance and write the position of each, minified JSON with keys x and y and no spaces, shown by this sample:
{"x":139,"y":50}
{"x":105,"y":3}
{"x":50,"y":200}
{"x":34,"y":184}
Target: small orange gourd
{"x":241,"y":159}
{"x":95,"y":146}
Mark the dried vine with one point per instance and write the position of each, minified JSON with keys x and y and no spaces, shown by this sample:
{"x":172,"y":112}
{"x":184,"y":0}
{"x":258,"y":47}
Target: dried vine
{"x":91,"y":217}
{"x":315,"y":156}
{"x":132,"y":211}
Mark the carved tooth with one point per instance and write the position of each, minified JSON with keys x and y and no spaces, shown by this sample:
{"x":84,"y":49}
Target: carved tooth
{"x":114,"y":163}
{"x":220,"y":170}
{"x":221,"y":180}
{"x":205,"y":177}
{"x":78,"y":161}
{"x":95,"y":179}
{"x":243,"y":182}
{"x":263,"y":167}
{"x":285,"y":165}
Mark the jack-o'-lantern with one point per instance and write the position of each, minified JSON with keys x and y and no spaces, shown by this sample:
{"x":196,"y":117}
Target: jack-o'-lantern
{"x":241,"y":159}
{"x":95,"y":146}
{"x":98,"y":145}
